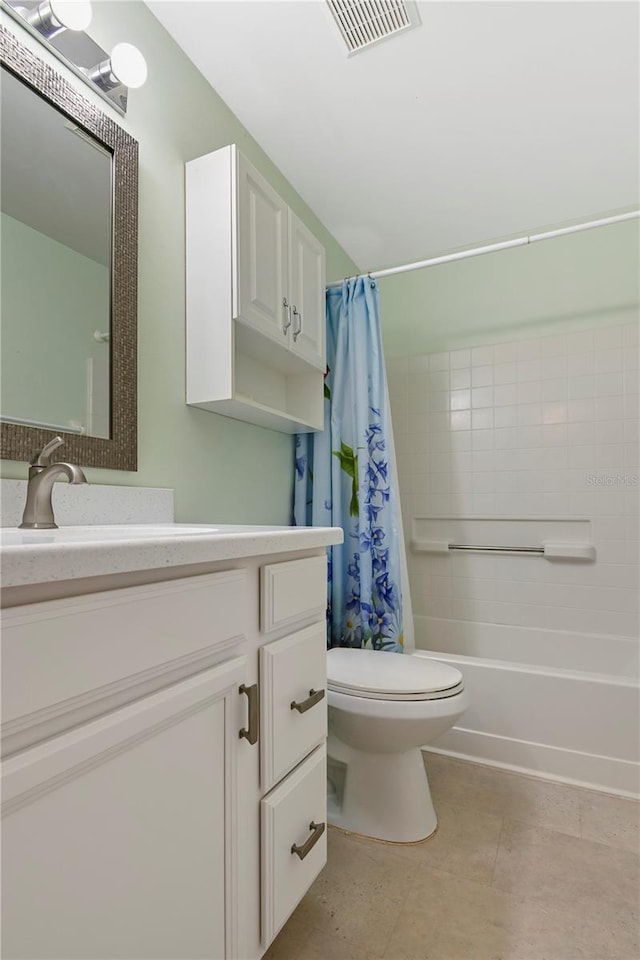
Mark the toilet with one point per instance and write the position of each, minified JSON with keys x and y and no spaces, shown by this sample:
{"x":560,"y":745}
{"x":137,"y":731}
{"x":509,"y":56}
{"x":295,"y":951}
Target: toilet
{"x":382,"y":708}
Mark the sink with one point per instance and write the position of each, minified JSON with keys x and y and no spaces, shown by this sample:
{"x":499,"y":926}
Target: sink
{"x":12,"y":536}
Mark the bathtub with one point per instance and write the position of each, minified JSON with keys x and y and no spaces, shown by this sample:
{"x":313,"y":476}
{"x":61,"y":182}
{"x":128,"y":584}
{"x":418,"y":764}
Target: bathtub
{"x":532,"y":711}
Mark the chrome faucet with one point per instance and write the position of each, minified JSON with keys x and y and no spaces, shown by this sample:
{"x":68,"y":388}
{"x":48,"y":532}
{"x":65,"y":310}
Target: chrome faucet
{"x":38,"y":511}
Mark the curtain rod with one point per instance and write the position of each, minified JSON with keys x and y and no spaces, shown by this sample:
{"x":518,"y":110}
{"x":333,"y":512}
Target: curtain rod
{"x":493,"y":247}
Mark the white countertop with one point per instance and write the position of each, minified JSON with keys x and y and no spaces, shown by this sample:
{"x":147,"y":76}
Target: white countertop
{"x":45,"y":556}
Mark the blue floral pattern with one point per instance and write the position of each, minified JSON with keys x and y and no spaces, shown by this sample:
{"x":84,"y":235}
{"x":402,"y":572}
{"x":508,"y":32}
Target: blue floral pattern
{"x":344,"y":477}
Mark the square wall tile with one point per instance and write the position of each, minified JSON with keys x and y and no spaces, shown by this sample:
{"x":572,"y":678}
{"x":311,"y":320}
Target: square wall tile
{"x":438,"y":361}
{"x":460,"y":379}
{"x":460,"y":359}
{"x":460,"y":420}
{"x":419,"y":364}
{"x":611,"y":384}
{"x":482,"y":376}
{"x":528,"y":349}
{"x":554,"y":412}
{"x":482,"y":419}
{"x":579,"y":364}
{"x":505,"y":353}
{"x":506,"y":394}
{"x":553,"y":367}
{"x":481,"y":356}
{"x":529,"y":413}
{"x":582,"y":387}
{"x":438,"y":380}
{"x":581,"y":342}
{"x":460,"y":399}
{"x":482,"y":397}
{"x":505,"y":373}
{"x":607,"y":338}
{"x":631,"y":335}
{"x":609,"y":361}
{"x":553,"y":346}
{"x":529,"y":370}
{"x":530,"y":391}
{"x":506,"y":416}
{"x":581,"y":410}
{"x":555,"y":389}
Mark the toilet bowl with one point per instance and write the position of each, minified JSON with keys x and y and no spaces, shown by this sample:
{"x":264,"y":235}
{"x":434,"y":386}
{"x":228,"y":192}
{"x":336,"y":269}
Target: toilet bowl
{"x":382,"y":708}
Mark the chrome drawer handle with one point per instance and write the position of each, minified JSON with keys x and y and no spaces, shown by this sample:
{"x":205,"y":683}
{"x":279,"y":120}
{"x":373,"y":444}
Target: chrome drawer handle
{"x":254,"y":712}
{"x":318,"y":830}
{"x":315,"y":696}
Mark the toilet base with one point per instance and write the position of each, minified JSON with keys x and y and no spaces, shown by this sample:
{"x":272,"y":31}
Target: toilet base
{"x":385,"y":796}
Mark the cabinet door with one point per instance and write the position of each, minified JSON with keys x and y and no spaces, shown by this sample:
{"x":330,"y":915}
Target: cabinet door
{"x":307,"y":293}
{"x":120,"y":836}
{"x":262,"y":261}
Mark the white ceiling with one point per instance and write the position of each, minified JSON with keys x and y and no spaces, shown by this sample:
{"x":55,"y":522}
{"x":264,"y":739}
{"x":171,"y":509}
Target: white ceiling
{"x":490,"y":120}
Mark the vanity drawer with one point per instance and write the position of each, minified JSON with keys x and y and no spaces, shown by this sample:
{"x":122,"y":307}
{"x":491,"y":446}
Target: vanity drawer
{"x":293,"y":680}
{"x":295,"y":813}
{"x":293,"y":591}
{"x":70,"y":660}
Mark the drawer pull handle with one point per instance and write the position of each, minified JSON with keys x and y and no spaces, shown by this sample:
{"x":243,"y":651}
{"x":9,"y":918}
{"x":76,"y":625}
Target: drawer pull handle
{"x":315,"y":696}
{"x":287,"y":321}
{"x":318,"y":830}
{"x":298,"y":331}
{"x":254,"y":713}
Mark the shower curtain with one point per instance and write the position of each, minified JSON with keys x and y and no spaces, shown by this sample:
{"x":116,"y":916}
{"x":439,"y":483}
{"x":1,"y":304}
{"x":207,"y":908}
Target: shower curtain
{"x":345,"y":477}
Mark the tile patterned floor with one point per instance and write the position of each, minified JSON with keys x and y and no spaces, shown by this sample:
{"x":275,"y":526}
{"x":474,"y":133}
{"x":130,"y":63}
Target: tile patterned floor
{"x":520,"y":869}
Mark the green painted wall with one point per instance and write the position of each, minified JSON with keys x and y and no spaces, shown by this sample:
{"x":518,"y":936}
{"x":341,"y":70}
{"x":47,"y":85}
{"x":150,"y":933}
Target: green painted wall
{"x":220,"y":469}
{"x":50,"y":294}
{"x":582,"y":280}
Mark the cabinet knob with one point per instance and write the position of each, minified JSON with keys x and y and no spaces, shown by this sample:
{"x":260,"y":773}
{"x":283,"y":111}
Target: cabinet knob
{"x":315,"y":696}
{"x":297,"y":330}
{"x":287,"y":316}
{"x":251,"y":734}
{"x":308,"y":845}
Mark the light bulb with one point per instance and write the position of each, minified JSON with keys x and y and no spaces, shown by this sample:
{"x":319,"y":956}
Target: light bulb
{"x":53,"y":16}
{"x":72,"y":14}
{"x":128,"y":65}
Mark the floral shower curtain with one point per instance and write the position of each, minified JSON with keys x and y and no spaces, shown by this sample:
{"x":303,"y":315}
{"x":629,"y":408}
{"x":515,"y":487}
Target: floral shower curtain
{"x":344,"y":476}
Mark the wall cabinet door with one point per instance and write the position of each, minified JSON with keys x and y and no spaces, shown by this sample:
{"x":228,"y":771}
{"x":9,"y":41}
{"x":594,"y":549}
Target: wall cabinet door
{"x":262,"y":254}
{"x":307,"y":292}
{"x":120,"y":836}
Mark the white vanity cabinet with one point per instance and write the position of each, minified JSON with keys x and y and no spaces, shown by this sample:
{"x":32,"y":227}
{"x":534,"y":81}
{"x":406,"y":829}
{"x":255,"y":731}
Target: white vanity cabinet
{"x":255,"y":299}
{"x":118,"y":836}
{"x":161,"y":795}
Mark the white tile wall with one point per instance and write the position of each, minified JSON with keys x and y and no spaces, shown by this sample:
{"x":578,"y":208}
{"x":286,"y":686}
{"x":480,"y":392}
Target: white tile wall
{"x":545,"y":427}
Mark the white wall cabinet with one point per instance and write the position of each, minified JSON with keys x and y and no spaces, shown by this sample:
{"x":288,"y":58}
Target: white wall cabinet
{"x":255,"y":299}
{"x":135,"y":778}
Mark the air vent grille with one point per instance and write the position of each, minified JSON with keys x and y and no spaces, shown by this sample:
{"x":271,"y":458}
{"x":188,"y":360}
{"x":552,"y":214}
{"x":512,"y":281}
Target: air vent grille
{"x":363,"y":22}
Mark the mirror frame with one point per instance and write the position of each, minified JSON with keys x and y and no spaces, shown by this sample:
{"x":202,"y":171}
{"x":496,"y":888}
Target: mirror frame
{"x":119,"y":452}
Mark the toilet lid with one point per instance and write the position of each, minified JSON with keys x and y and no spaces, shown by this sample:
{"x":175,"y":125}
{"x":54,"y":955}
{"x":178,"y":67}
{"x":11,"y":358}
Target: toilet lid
{"x":390,"y":676}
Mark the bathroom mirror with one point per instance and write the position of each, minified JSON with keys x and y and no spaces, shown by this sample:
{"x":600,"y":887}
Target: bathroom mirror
{"x":69,"y":269}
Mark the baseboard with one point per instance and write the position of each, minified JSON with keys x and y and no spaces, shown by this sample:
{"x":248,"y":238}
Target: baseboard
{"x":605,"y":774}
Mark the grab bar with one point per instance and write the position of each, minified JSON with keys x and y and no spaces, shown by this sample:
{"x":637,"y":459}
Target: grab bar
{"x":471,"y":546}
{"x":555,"y":551}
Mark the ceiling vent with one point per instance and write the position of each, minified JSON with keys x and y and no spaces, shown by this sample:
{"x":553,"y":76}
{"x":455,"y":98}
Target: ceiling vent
{"x":365,"y":22}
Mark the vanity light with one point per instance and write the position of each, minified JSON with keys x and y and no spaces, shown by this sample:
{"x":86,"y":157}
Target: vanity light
{"x":126,"y":66}
{"x":51,"y":17}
